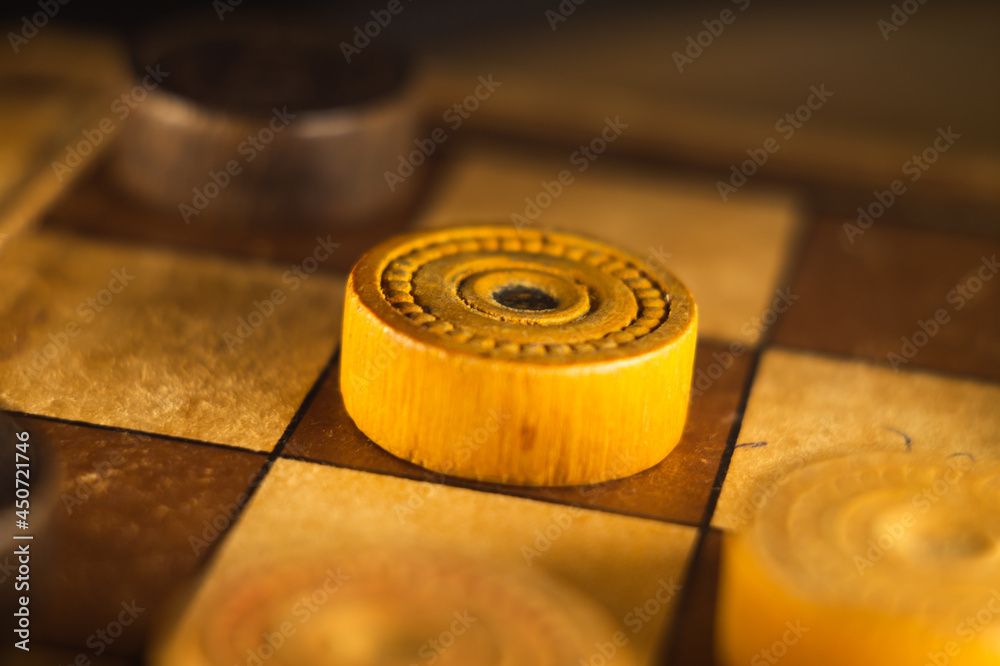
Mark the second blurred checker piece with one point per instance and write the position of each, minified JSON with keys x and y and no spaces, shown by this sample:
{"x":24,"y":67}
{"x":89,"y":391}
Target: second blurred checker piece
{"x":884,"y":558}
{"x":526,"y":357}
{"x":386,"y":607}
{"x":265,"y":122}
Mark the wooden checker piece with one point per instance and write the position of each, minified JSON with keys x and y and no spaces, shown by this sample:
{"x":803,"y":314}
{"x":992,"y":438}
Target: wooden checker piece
{"x":307,"y":516}
{"x":257,"y":121}
{"x":387,"y":607}
{"x":581,"y":350}
{"x":835,"y":554}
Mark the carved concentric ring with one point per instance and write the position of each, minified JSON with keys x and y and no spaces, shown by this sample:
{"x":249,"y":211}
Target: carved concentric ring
{"x":528,"y":295}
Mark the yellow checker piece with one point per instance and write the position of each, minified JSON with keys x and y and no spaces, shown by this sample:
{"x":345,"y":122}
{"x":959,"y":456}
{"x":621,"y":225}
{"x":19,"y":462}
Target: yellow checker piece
{"x":581,"y":353}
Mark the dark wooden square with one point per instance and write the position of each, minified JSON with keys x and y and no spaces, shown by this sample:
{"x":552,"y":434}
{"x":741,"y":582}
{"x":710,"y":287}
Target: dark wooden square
{"x":895,"y":284}
{"x":676,"y":490}
{"x":134,"y":519}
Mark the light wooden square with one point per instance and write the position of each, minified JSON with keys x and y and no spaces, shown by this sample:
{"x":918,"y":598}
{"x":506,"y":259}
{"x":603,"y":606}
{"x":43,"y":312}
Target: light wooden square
{"x":166,"y":353}
{"x":620,"y":561}
{"x":730,"y":255}
{"x":805,"y":407}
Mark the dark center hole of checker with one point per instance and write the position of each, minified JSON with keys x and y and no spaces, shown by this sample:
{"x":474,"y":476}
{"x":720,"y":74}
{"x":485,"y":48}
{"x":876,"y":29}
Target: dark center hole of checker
{"x":520,"y":297}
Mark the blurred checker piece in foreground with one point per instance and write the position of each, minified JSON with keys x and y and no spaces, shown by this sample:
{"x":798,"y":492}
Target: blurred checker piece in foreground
{"x":265,"y":121}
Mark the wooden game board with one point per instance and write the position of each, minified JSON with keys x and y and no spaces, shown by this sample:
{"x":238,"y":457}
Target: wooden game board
{"x":190,"y":448}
